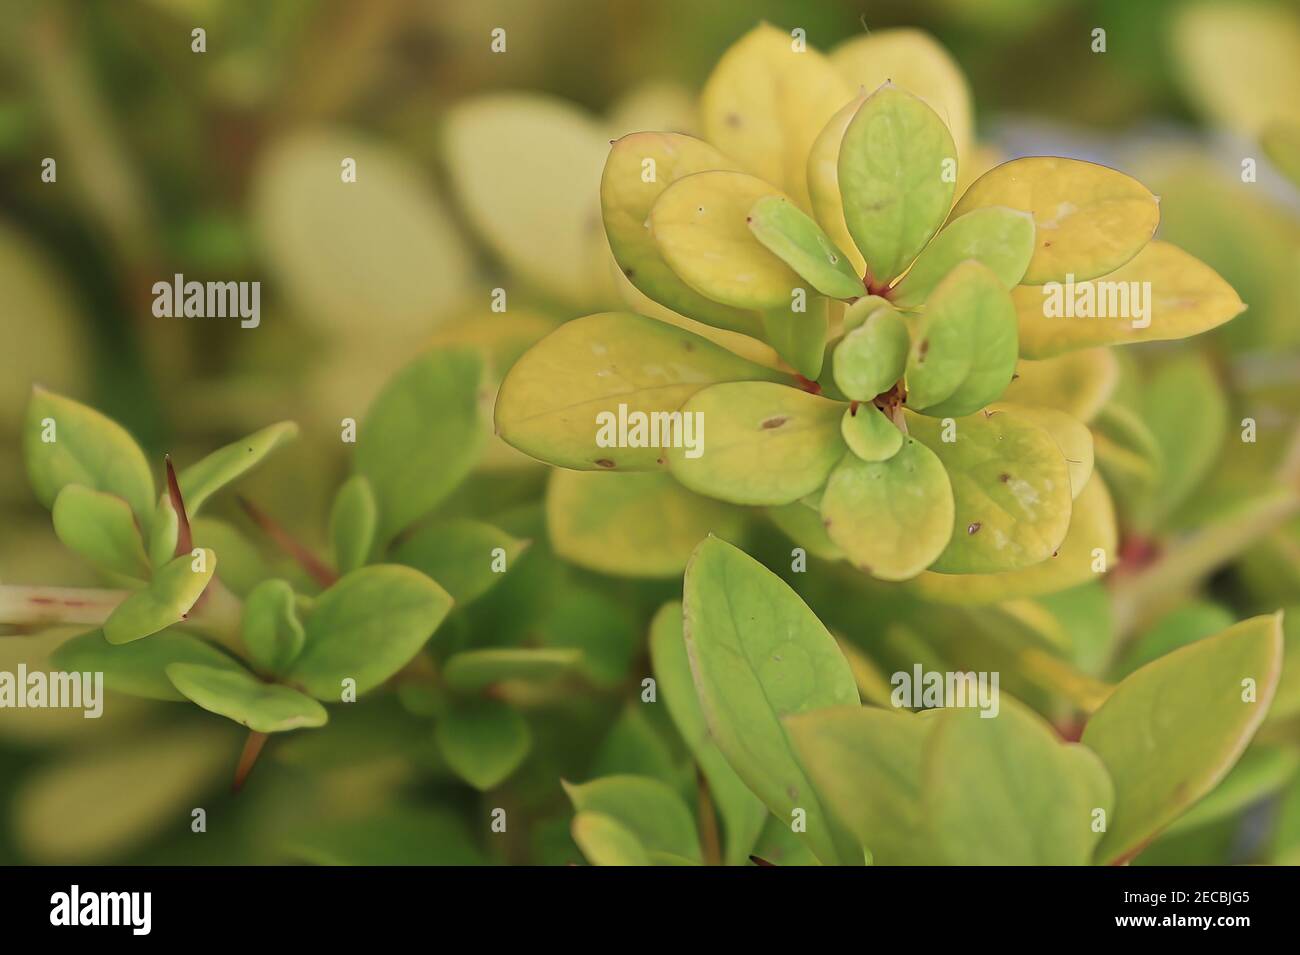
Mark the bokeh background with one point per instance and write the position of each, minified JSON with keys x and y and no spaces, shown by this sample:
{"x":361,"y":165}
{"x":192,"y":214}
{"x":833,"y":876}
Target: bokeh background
{"x":479,"y":170}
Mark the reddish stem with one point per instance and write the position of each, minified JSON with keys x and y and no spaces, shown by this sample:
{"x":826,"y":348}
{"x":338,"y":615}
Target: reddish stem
{"x":184,"y":536}
{"x":248,"y":758}
{"x":319,"y":571}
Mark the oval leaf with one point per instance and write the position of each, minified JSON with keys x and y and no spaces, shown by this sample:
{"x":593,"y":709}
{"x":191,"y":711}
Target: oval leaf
{"x":873,"y":356}
{"x":483,"y":741}
{"x":797,"y":240}
{"x":1000,"y":239}
{"x":354,"y":518}
{"x":204,"y":478}
{"x":472,"y":670}
{"x":101,"y":528}
{"x":869,"y":434}
{"x":174,"y":589}
{"x":242,"y":697}
{"x":648,"y":808}
{"x":270,"y":626}
{"x":139,"y":668}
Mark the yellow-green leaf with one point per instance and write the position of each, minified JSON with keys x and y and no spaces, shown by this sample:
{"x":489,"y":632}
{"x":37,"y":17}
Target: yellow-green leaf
{"x":606,"y":841}
{"x":869,"y":434}
{"x":1077,"y":382}
{"x":101,"y":528}
{"x":1072,"y":437}
{"x":168,"y":598}
{"x":824,"y":180}
{"x":238,"y":695}
{"x":798,"y":241}
{"x":1001,"y":239}
{"x":873,"y":356}
{"x":205,"y":477}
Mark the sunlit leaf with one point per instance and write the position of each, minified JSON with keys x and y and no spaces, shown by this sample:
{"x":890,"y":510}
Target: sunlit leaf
{"x":873,"y":356}
{"x":167,"y":600}
{"x":606,"y":841}
{"x":795,"y":238}
{"x":1000,"y":239}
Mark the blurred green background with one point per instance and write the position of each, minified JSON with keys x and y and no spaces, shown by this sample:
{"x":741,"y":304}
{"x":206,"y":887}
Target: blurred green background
{"x":202,"y":163}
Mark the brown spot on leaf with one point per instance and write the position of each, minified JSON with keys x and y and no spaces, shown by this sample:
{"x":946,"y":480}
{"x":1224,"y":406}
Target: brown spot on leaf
{"x":973,"y":528}
{"x":776,"y":422}
{"x":604,"y":462}
{"x":1004,"y":477}
{"x":733,"y":119}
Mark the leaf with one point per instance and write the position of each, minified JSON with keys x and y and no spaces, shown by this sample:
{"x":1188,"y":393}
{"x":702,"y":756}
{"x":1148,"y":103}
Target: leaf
{"x":743,"y":814}
{"x":1000,"y":239}
{"x":483,"y":741}
{"x":626,"y":199}
{"x":1195,"y":726}
{"x":204,"y":478}
{"x":344,"y":254}
{"x":802,"y":523}
{"x":869,"y":434}
{"x":1260,"y":773}
{"x":164,"y":532}
{"x":242,"y":697}
{"x":411,"y":455}
{"x":1177,"y":628}
{"x":759,"y":654}
{"x":1093,"y":531}
{"x":139,"y":668}
{"x":1072,"y":438}
{"x":367,"y":627}
{"x":175,"y":588}
{"x":101,"y":528}
{"x":1010,"y":488}
{"x":795,"y":238}
{"x":549,"y":403}
{"x":765,"y":443}
{"x":765,"y":102}
{"x":270,"y":626}
{"x":892,"y":176}
{"x":544,"y":225}
{"x":799,"y":337}
{"x":700,"y":225}
{"x":873,"y":356}
{"x":242,"y":564}
{"x":646,"y":807}
{"x":605,"y":841}
{"x":964,"y":345}
{"x":866,"y":763}
{"x":1186,"y":298}
{"x":630,"y":525}
{"x":461,"y":555}
{"x":824,"y":181}
{"x":472,"y":670}
{"x":1007,"y":791}
{"x":891,"y":518}
{"x":353,"y":520}
{"x":1088,"y":219}
{"x":85,"y":448}
{"x":916,"y":62}
{"x":1077,"y":382}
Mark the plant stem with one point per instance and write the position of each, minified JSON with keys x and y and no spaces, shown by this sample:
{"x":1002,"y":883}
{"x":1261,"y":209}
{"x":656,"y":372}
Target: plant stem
{"x":711,"y":844}
{"x":321,"y":572}
{"x":248,"y":758}
{"x":38,"y":606}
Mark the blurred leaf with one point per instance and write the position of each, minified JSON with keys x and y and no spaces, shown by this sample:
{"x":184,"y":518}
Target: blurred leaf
{"x":270,"y":626}
{"x":367,"y":627}
{"x":353,"y":520}
{"x":204,"y":478}
{"x":1183,"y":625}
{"x":483,"y":741}
{"x":1078,"y":382}
{"x":647,"y":808}
{"x":167,"y":600}
{"x":606,"y":841}
{"x":632,"y":524}
{"x":101,"y":528}
{"x":759,"y":654}
{"x":1196,"y":725}
{"x":1261,"y":771}
{"x":460,"y":555}
{"x":413,"y":455}
{"x":803,"y":525}
{"x":395,"y":836}
{"x":242,"y":565}
{"x":238,"y":695}
{"x":474,"y":669}
{"x":139,"y":668}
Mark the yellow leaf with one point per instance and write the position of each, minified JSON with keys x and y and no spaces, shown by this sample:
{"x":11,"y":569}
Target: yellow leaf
{"x":700,"y":226}
{"x":1185,"y":297}
{"x":824,"y":182}
{"x":915,"y":61}
{"x":1078,"y":382}
{"x":1088,"y":219}
{"x":765,"y":103}
{"x":1072,"y":437}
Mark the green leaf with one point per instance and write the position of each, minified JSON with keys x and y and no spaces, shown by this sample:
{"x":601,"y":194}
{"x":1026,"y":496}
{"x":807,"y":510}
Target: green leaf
{"x":869,"y":434}
{"x":964,"y":345}
{"x":466,"y":557}
{"x":866,"y":764}
{"x":164,"y":532}
{"x":101,"y":528}
{"x":242,"y":697}
{"x":743,"y":814}
{"x":1187,"y":297}
{"x":701,"y":225}
{"x":1000,"y":239}
{"x":799,"y":337}
{"x":421,"y":435}
{"x":872,"y":357}
{"x":354,"y":517}
{"x":1088,"y":219}
{"x":483,"y":741}
{"x":897,"y":173}
{"x":550,"y":402}
{"x":759,"y":654}
{"x":1007,"y":791}
{"x":626,"y":198}
{"x":65,"y":442}
{"x":472,"y":670}
{"x":173,"y":591}
{"x":630,"y":525}
{"x":367,"y":627}
{"x":1177,"y":628}
{"x":802,"y":523}
{"x":1010,"y":488}
{"x":270,"y":626}
{"x":226,"y":465}
{"x":1261,"y":772}
{"x":139,"y":668}
{"x":1281,"y":141}
{"x":606,"y":841}
{"x":798,"y":241}
{"x":765,"y":102}
{"x":1195,"y":725}
{"x":891,"y":518}
{"x":1073,"y":439}
{"x":646,"y":807}
{"x":824,"y":181}
{"x":765,"y":443}
{"x":242,"y":564}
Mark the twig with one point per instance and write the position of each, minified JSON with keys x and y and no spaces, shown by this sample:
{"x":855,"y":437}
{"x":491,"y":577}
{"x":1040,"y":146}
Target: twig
{"x":319,"y":571}
{"x":26,"y":606}
{"x":248,"y":758}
